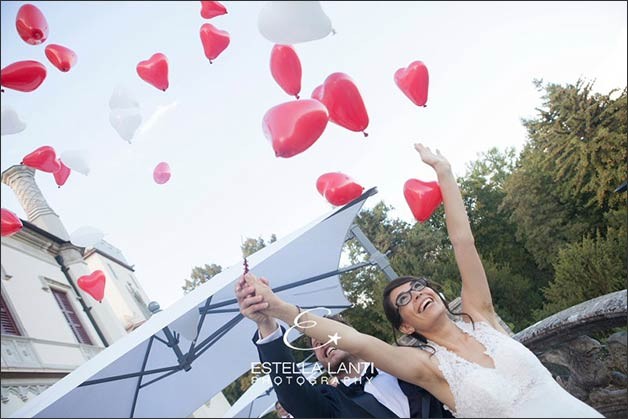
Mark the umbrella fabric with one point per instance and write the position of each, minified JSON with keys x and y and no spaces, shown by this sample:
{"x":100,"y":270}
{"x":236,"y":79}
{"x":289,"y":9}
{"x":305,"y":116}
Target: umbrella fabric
{"x":160,"y":370}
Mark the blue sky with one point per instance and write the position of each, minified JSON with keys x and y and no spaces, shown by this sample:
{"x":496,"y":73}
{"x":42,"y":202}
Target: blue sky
{"x":226,"y":181}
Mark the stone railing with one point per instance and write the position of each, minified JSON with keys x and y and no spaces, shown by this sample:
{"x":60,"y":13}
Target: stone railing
{"x":25,"y":353}
{"x":586,"y":352}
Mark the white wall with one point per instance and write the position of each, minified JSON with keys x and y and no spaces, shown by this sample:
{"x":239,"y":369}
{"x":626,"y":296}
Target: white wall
{"x":117,"y":293}
{"x":32,"y":273}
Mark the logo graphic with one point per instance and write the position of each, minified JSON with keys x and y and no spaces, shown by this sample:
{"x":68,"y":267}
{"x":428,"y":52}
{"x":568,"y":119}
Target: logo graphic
{"x":306,"y":324}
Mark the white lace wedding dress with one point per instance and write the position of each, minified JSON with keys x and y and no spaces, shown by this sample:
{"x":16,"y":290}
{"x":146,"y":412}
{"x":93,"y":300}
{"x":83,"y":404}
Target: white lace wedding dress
{"x":519,"y":386}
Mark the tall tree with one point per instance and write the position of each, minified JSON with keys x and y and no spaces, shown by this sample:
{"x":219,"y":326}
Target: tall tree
{"x":575,"y":156}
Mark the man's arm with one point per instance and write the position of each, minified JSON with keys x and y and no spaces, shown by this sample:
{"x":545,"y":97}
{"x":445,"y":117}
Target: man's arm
{"x":295,"y":393}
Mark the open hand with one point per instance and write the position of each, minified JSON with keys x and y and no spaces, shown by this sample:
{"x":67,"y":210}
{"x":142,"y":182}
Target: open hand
{"x":436,"y":160}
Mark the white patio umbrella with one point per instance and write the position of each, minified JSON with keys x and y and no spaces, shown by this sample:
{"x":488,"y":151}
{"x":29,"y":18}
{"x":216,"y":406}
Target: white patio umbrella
{"x":156,"y":371}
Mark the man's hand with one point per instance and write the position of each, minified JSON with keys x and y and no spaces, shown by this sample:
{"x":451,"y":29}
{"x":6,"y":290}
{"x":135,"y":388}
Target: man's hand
{"x":270,"y":302}
{"x":252,"y":306}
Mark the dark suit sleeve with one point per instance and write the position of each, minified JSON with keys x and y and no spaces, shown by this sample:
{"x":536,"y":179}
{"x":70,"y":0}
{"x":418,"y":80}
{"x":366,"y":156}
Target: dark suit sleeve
{"x":297,"y":395}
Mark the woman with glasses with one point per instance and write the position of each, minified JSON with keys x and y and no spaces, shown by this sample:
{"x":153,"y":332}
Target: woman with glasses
{"x":470,"y":363}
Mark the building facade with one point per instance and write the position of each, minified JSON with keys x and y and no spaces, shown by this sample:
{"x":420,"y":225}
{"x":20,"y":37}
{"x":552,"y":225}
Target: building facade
{"x":50,"y":326}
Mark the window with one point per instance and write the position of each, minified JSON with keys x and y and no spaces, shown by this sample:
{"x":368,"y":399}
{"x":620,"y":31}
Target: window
{"x":70,"y":316}
{"x":9,"y":327}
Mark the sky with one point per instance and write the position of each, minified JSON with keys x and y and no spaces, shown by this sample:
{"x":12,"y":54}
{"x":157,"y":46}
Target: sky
{"x":226,"y":182}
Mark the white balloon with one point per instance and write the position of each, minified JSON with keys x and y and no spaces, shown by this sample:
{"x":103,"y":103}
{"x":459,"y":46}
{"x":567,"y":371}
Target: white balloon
{"x":125,"y":121}
{"x":76,"y":160}
{"x":291,"y":22}
{"x":86,"y":236}
{"x":11,"y":123}
{"x":122,"y":99}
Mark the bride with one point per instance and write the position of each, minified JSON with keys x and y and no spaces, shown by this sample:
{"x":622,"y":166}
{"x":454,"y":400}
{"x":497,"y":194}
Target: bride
{"x":471,"y":365}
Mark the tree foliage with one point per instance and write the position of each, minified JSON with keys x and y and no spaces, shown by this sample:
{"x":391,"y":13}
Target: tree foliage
{"x":565,"y":177}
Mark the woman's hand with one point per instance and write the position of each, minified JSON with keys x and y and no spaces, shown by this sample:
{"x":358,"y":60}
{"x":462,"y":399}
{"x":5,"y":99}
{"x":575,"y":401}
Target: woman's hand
{"x":270,"y":302}
{"x":436,"y":160}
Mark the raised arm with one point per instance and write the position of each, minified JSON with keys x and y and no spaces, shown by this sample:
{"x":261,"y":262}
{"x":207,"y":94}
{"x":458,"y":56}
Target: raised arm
{"x":409,"y":364}
{"x":476,"y":294}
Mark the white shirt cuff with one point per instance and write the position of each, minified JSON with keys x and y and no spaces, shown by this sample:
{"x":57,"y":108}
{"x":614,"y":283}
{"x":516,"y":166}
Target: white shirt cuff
{"x":273,"y":336}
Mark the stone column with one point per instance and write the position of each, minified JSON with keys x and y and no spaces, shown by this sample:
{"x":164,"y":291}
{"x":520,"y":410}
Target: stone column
{"x":21,"y":179}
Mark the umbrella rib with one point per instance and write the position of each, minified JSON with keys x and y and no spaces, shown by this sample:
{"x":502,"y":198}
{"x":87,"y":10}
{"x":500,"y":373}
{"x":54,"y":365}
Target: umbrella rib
{"x":361,"y":198}
{"x":207,"y":343}
{"x":292,"y":285}
{"x":158,"y":378}
{"x":125,"y":376}
{"x":139,"y":381}
{"x":235,"y":310}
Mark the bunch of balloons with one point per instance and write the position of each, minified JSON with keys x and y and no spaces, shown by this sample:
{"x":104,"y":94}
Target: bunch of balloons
{"x":293,"y":127}
{"x":28,"y":75}
{"x":214,"y":40}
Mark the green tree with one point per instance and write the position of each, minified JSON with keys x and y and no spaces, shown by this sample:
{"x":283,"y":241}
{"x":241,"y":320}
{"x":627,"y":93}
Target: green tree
{"x":513,"y":274}
{"x":417,"y":249}
{"x":575,"y":156}
{"x":200,"y":275}
{"x":587,"y":269}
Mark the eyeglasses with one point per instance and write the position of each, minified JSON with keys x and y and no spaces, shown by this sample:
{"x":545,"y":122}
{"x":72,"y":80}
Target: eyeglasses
{"x":405,"y":297}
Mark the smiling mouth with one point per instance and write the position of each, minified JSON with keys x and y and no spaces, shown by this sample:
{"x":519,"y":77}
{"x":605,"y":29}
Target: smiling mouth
{"x":426,"y":303}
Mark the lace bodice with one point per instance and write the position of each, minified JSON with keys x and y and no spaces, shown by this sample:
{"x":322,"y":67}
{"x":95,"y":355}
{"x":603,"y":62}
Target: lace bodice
{"x":514,"y":388}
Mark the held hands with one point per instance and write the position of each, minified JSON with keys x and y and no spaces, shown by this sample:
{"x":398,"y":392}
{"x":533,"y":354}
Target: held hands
{"x":251,"y":305}
{"x":257,"y":300}
{"x":436,"y":160}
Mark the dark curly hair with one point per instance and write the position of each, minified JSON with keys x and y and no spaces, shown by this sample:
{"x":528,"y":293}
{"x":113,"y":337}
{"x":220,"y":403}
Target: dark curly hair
{"x":392,"y":312}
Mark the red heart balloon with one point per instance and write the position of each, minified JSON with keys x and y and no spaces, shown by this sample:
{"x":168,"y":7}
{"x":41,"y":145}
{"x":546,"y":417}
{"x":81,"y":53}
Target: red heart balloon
{"x":286,"y":69}
{"x":413,"y":82}
{"x":31,"y":25}
{"x":61,"y":57}
{"x":344,"y":102}
{"x":211,"y":9}
{"x":293,"y":127}
{"x":317,"y":93}
{"x":154,"y":71}
{"x":214,"y":41}
{"x":44,"y":159}
{"x":338,"y":188}
{"x":422,"y":197}
{"x":62,"y":174}
{"x":24,"y":76}
{"x":9,"y":223}
{"x":93,"y":284}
